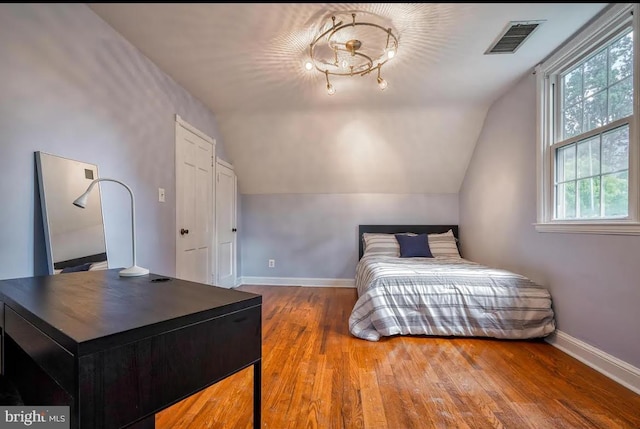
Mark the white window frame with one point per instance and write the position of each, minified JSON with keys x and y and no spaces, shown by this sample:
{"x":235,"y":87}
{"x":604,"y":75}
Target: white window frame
{"x":581,"y":46}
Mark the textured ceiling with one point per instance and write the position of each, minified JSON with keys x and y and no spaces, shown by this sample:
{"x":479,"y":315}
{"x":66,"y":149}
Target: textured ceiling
{"x":282,"y":131}
{"x":239,"y":57}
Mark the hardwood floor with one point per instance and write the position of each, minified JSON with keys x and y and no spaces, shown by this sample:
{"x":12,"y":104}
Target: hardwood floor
{"x":316,"y":375}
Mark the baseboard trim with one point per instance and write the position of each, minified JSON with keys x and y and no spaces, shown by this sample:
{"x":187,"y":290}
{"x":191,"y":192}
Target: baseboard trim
{"x":614,"y":368}
{"x":297,"y":281}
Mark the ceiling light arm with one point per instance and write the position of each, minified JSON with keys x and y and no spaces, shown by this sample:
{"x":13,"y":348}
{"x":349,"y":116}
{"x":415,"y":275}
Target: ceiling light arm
{"x":333,"y":31}
{"x":341,"y":26}
{"x":381,"y":82}
{"x":313,"y":44}
{"x":335,"y":47}
{"x":330,"y":89}
{"x":368,"y":64}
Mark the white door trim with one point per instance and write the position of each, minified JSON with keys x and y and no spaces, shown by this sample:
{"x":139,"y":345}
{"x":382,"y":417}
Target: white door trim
{"x":225,"y":163}
{"x":179,"y":122}
{"x":194,"y":130}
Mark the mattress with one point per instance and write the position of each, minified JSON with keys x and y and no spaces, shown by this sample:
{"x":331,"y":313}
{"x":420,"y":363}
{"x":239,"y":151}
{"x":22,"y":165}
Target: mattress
{"x":446,"y":297}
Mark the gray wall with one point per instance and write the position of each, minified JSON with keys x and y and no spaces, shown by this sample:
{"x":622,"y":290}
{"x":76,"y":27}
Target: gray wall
{"x":316,"y":235}
{"x":71,"y":86}
{"x":594,"y":279}
{"x":395,"y":150}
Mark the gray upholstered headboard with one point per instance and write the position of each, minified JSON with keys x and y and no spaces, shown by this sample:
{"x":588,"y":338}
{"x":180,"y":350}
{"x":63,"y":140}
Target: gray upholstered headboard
{"x":396,"y":229}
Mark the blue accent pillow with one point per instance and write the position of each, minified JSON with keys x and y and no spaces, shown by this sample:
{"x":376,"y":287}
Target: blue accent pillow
{"x":414,"y":246}
{"x":77,"y":268}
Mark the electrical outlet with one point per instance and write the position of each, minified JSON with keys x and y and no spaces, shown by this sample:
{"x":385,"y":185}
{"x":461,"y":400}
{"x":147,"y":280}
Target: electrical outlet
{"x":161,"y":195}
{"x":272,"y":263}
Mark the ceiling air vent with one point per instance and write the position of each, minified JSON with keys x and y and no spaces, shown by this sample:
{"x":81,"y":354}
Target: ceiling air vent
{"x":513,"y":37}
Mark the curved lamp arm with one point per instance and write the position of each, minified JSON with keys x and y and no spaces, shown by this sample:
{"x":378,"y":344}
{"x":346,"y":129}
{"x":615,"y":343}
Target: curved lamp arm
{"x":81,"y":202}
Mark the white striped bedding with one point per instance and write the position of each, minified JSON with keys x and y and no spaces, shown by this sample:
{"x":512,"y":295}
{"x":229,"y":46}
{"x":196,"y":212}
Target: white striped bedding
{"x":446,"y":297}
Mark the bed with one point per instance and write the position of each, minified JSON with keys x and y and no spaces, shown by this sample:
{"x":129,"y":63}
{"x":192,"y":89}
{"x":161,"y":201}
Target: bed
{"x":443,"y":295}
{"x":85,"y":263}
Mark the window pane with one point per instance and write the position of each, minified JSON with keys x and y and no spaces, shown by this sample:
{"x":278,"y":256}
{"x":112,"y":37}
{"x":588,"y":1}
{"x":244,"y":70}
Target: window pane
{"x":615,"y":150}
{"x":592,"y":166}
{"x":595,"y":111}
{"x":566,"y":163}
{"x":595,"y":74}
{"x":589,"y":157}
{"x":572,"y":121}
{"x":572,"y":86}
{"x":616,"y":194}
{"x":621,"y":58}
{"x":589,"y":197}
{"x":566,"y":200}
{"x":621,"y":99}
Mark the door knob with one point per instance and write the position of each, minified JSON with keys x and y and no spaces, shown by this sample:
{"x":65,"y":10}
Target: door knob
{"x":233,"y":230}
{"x":184,"y":231}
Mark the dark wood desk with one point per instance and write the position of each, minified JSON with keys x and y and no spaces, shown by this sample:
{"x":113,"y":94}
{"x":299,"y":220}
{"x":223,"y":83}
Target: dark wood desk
{"x":118,"y":350}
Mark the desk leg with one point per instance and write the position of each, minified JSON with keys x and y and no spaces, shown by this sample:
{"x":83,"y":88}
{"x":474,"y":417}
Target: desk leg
{"x":257,"y":393}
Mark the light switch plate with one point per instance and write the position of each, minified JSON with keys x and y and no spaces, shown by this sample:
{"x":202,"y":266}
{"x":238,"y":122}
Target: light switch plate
{"x":161,"y":195}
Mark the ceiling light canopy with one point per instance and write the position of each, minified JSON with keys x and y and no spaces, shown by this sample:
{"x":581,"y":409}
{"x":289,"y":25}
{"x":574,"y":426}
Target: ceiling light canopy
{"x":346,"y":45}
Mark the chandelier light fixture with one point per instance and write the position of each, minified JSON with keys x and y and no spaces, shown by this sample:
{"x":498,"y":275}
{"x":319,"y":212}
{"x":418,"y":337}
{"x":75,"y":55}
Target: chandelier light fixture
{"x":348,"y":46}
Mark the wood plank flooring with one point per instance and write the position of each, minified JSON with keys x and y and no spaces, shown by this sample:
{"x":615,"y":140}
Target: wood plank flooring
{"x":316,"y":375}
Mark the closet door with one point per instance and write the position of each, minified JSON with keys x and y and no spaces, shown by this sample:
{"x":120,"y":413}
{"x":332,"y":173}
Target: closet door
{"x":195,"y":153}
{"x":226,"y":229}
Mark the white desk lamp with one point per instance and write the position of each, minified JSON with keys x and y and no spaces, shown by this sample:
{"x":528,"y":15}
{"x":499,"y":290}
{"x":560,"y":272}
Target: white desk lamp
{"x":81,"y":202}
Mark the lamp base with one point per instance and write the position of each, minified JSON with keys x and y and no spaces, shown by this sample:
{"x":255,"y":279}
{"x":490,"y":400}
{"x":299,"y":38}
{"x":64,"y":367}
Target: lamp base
{"x":134,"y":271}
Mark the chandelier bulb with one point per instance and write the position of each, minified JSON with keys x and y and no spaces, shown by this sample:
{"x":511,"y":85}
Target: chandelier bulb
{"x":391,"y":53}
{"x":308,"y":65}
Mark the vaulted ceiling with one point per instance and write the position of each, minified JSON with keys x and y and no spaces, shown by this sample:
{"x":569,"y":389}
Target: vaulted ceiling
{"x":282,"y":131}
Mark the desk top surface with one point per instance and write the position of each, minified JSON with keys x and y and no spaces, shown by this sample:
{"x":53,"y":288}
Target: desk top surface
{"x":93,"y":310}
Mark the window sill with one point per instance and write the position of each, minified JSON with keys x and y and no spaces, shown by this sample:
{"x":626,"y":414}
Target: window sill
{"x":612,"y":228}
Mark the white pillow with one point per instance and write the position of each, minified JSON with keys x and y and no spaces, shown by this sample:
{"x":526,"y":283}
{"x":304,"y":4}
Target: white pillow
{"x":443,"y":245}
{"x":380,"y":244}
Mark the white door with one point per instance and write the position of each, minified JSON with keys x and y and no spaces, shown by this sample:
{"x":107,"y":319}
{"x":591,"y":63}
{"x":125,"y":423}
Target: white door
{"x":194,"y":203}
{"x":225,"y":224}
